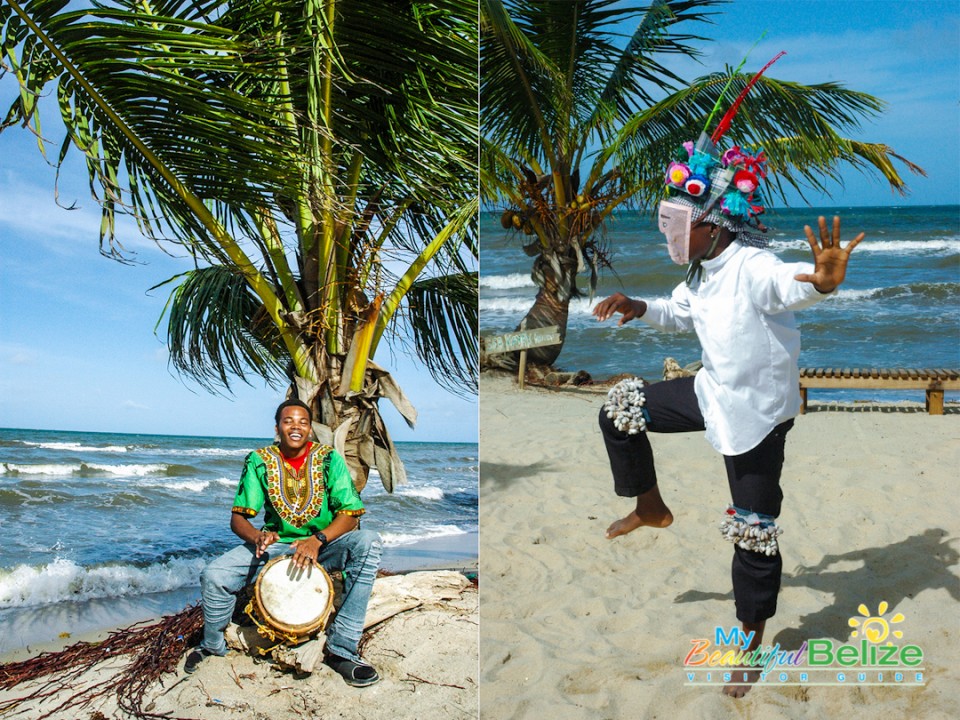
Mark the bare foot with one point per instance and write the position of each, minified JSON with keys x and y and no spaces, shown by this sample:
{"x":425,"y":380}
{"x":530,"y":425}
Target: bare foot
{"x":742,"y":679}
{"x":651,"y":511}
{"x":738,"y":686}
{"x":633,"y":521}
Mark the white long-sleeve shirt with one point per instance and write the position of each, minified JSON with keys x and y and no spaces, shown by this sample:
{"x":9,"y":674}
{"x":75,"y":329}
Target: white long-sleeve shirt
{"x":742,"y":312}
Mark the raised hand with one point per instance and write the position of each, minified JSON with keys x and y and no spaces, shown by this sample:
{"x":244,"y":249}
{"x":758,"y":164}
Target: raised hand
{"x":830,"y":260}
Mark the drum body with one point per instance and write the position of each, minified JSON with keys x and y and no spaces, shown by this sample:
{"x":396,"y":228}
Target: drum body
{"x":295,"y":603}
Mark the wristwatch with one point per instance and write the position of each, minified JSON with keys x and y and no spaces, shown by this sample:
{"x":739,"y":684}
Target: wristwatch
{"x":322,"y":538}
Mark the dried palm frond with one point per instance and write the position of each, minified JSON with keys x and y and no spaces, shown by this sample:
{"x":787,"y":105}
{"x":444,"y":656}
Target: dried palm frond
{"x":152,"y":650}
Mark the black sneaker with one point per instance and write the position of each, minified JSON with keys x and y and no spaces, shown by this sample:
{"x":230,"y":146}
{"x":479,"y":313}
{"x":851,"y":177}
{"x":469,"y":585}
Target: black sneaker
{"x":357,"y":674}
{"x":194,"y":659}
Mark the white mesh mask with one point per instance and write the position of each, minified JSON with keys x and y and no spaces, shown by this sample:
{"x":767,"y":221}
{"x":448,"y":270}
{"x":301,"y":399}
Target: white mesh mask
{"x":674,"y":221}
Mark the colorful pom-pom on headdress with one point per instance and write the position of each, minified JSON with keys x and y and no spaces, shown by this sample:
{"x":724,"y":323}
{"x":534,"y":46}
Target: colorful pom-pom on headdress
{"x":696,"y":185}
{"x":677,"y":174}
{"x":725,"y":188}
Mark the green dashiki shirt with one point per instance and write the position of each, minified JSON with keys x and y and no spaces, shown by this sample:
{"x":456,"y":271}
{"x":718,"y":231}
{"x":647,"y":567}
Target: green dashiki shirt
{"x":298,"y":504}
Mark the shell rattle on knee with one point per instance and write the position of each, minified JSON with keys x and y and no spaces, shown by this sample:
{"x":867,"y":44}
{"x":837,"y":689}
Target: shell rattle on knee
{"x":751,"y":531}
{"x":624,"y":405}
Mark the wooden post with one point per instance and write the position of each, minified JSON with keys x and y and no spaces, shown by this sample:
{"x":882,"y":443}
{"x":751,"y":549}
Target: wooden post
{"x":803,"y":401}
{"x":523,"y":358}
{"x":935,"y":402}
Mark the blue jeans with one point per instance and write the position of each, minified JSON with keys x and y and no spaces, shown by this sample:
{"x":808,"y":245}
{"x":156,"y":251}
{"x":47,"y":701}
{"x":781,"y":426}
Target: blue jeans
{"x":357,"y":553}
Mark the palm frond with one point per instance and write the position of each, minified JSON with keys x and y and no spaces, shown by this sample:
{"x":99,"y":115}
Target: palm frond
{"x":499,"y":174}
{"x":217,"y":329}
{"x":214,"y":122}
{"x":553,"y":74}
{"x":519,"y":81}
{"x":146,"y":99}
{"x":637,"y":69}
{"x":807,"y":164}
{"x":798,"y":126}
{"x":443,"y":317}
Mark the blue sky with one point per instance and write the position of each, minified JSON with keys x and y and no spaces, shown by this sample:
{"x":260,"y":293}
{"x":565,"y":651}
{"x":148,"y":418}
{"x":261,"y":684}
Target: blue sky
{"x":77,"y":343}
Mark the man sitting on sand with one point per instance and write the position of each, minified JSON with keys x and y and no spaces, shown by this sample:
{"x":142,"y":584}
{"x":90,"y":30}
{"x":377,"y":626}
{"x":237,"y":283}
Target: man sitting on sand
{"x":740,"y":300}
{"x":312,"y":511}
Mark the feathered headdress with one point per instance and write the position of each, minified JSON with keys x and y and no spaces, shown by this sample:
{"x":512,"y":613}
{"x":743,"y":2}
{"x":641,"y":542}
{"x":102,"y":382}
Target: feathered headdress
{"x":725,"y":187}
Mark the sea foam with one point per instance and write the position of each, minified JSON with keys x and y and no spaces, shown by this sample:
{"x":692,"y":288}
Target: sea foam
{"x":76,"y":447}
{"x":428,"y":493}
{"x":63,"y":580}
{"x":42,"y":469}
{"x":125,"y":470}
{"x":520,"y":305}
{"x":506,"y":282}
{"x":433,"y":531}
{"x":938,"y":246}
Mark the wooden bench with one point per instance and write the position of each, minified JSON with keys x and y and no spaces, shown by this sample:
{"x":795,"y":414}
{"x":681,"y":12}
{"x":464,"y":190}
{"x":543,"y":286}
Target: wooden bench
{"x":933,"y":381}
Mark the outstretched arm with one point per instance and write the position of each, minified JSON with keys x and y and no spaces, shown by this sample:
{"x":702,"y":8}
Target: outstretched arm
{"x":830,"y":260}
{"x":619,"y":303}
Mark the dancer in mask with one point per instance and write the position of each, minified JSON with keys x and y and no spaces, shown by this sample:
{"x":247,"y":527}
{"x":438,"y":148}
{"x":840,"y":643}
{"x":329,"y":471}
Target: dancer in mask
{"x":740,"y":299}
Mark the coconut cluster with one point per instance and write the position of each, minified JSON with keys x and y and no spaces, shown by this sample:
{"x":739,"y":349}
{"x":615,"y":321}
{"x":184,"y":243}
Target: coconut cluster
{"x":624,"y":406}
{"x":582,"y":214}
{"x":751,"y":533}
{"x":512,"y":219}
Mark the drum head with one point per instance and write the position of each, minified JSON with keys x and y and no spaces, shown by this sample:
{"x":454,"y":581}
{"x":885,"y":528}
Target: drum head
{"x":291,"y":599}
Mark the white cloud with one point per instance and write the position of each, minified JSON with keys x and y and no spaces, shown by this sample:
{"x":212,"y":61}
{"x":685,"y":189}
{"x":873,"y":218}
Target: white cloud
{"x":27,"y":209}
{"x":31,"y":212}
{"x":15,"y":354}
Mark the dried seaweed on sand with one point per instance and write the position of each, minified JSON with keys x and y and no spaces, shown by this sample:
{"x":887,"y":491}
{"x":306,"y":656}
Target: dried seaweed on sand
{"x":147,"y":652}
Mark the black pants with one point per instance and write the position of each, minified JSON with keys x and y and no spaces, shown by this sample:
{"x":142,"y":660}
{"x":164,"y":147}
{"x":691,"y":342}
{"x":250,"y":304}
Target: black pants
{"x":754,"y":479}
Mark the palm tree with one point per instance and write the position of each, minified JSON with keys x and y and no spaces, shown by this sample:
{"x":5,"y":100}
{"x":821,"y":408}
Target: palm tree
{"x":576,"y":125}
{"x":316,"y":159}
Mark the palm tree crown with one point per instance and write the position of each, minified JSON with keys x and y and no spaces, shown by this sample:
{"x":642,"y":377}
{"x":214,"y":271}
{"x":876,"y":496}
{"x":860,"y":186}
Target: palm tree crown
{"x":317,"y":160}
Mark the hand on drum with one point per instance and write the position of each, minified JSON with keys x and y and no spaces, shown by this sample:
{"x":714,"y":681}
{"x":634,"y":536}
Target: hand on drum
{"x":306,"y":552}
{"x":265,"y":539}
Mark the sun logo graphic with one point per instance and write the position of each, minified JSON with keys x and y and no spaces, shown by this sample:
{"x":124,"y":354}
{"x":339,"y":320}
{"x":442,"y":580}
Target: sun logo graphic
{"x":875,"y":628}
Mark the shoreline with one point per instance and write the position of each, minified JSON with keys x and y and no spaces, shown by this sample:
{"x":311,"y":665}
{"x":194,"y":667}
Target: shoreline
{"x":449,"y":552}
{"x":31,"y":630}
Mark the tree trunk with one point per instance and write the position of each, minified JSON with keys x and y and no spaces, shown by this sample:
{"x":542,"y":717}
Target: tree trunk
{"x":351,"y":423}
{"x":556,"y":277}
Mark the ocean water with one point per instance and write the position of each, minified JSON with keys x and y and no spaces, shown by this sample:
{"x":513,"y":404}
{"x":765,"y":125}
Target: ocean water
{"x":899,"y":306}
{"x":113,"y":519}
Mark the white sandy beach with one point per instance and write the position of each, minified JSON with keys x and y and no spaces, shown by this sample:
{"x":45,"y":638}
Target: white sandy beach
{"x":427,"y":659}
{"x":576,"y":626}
